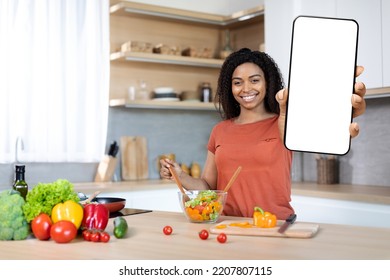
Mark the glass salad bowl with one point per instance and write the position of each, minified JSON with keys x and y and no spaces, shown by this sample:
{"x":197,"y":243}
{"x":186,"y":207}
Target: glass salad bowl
{"x":202,"y":206}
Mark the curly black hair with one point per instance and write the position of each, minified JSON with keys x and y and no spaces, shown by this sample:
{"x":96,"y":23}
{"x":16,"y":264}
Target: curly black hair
{"x":224,"y":100}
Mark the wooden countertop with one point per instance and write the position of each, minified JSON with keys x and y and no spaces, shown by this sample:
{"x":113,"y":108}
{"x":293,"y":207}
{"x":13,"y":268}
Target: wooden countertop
{"x":145,"y":241}
{"x":358,"y":193}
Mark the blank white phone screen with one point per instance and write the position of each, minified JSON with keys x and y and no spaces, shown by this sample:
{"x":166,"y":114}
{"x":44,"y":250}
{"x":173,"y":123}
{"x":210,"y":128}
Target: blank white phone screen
{"x":321,"y":82}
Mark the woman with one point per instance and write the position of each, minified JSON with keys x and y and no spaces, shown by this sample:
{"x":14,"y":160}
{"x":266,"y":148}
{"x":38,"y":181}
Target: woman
{"x":252,"y":103}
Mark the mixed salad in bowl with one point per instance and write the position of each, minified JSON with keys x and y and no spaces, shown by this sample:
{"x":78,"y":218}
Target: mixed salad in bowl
{"x":203,"y":206}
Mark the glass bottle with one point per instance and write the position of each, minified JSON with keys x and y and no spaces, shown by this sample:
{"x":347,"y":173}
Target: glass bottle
{"x":227,"y":50}
{"x":20,"y":184}
{"x":143,"y":92}
{"x":206,"y":93}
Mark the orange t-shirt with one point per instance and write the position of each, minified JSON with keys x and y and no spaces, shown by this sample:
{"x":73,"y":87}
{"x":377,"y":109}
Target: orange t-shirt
{"x":265,"y":178}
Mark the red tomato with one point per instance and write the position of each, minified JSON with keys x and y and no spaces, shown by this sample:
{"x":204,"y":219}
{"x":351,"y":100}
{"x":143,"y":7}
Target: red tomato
{"x":221,"y":238}
{"x":95,"y":236}
{"x":63,"y":231}
{"x":87,"y":235}
{"x":167,"y":230}
{"x":104,"y":237}
{"x":199,"y":208}
{"x":204,"y":234}
{"x":41,"y":225}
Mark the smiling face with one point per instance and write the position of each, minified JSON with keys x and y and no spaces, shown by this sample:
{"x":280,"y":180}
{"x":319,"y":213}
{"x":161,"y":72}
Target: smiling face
{"x":249,"y":86}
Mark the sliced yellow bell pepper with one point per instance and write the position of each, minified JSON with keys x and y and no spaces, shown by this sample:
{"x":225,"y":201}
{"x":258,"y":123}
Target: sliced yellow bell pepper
{"x":68,"y":211}
{"x":241,"y":224}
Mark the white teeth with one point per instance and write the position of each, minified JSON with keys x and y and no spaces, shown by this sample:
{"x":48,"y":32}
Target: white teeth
{"x":248,"y":98}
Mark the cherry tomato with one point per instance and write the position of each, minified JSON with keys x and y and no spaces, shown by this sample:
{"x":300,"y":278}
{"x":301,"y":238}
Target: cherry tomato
{"x":200,"y":208}
{"x":104,"y":237}
{"x":63,"y":231}
{"x":95,"y":236}
{"x":41,"y":225}
{"x":221,"y":238}
{"x":204,"y":234}
{"x":167,"y":230}
{"x":87,"y":235}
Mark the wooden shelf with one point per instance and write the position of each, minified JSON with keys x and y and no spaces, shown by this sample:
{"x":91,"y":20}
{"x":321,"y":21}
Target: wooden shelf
{"x":185,"y":28}
{"x":166,"y":59}
{"x":169,"y":105}
{"x":128,"y":8}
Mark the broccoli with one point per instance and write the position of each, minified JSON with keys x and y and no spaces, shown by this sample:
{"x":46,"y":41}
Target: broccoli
{"x":13,"y":224}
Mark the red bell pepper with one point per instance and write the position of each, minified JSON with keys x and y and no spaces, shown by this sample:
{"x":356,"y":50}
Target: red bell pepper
{"x":95,"y":217}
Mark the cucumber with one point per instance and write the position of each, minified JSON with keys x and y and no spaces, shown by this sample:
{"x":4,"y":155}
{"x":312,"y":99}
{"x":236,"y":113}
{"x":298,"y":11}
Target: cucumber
{"x":120,"y":227}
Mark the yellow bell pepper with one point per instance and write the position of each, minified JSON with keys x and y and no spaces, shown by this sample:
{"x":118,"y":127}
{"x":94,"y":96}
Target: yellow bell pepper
{"x":68,"y":211}
{"x":194,"y":214}
{"x":263,"y":219}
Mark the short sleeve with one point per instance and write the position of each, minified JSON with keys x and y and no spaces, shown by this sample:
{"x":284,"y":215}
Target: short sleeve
{"x":211,"y":143}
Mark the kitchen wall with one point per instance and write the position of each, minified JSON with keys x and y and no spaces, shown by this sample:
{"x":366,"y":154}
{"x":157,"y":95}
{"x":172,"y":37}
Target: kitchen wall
{"x":182,"y":132}
{"x":42,"y":172}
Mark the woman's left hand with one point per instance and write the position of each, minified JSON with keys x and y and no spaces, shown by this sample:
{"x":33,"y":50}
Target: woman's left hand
{"x":357,"y":100}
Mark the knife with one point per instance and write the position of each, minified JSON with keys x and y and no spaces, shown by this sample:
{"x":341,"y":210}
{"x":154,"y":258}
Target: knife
{"x":290,"y":220}
{"x":111,"y":150}
{"x":115,"y":150}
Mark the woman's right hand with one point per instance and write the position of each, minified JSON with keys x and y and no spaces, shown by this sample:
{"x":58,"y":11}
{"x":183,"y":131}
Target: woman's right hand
{"x":164,"y":171}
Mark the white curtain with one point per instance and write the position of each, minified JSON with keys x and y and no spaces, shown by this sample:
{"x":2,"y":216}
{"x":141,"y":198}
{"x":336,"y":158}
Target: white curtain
{"x":54,"y":79}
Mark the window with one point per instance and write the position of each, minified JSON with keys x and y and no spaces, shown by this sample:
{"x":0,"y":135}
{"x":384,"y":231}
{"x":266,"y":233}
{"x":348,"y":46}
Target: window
{"x":54,"y":79}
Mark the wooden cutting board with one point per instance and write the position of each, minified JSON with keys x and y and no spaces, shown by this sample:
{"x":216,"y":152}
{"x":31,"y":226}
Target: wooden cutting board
{"x":134,"y":158}
{"x":296,"y":230}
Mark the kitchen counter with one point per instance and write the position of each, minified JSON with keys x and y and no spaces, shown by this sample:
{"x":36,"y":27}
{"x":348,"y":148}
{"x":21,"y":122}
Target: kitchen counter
{"x":358,"y":193}
{"x":145,"y":241}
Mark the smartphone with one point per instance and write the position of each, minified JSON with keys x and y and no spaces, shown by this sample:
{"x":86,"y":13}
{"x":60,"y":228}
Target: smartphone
{"x":321,"y":83}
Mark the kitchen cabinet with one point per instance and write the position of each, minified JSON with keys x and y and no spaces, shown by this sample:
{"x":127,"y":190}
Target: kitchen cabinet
{"x":323,"y":210}
{"x":368,"y":15}
{"x":176,"y":29}
{"x":373,"y":20}
{"x":159,"y":195}
{"x":279,"y":18}
{"x":386,"y":42}
{"x":374,"y":41}
{"x":153,"y":199}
